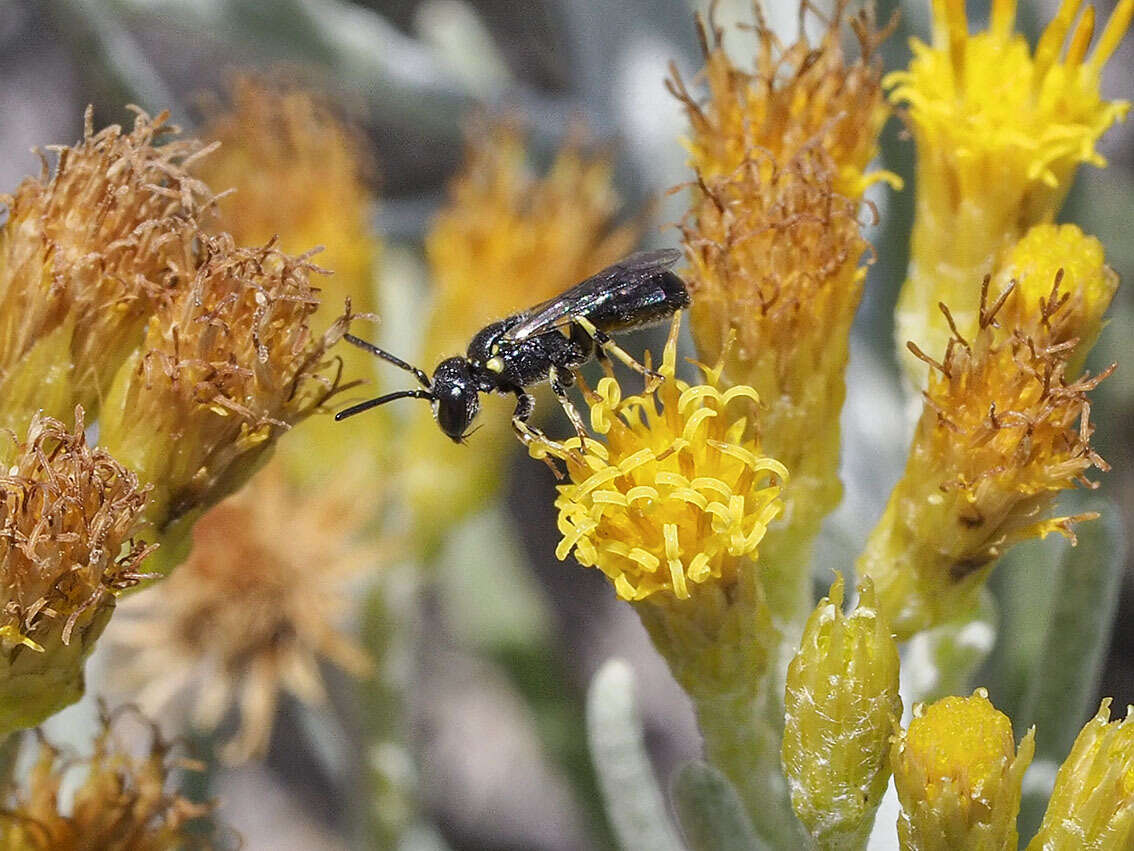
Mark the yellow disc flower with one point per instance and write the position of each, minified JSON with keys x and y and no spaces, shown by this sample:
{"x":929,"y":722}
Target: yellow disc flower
{"x":958,"y":774}
{"x":1000,"y":131}
{"x":1062,"y":289}
{"x":1092,"y":805}
{"x":841,"y":706}
{"x":675,"y":494}
{"x":671,"y":502}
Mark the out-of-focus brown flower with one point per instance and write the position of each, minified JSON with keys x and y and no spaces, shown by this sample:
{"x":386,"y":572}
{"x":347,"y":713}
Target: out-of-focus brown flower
{"x":228,"y":363}
{"x":125,"y":802}
{"x":296,"y":173}
{"x":66,"y":516}
{"x":253,"y":611}
{"x":83,"y":257}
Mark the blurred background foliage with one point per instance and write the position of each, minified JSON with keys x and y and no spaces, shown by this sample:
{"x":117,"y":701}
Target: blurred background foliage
{"x":489,"y":656}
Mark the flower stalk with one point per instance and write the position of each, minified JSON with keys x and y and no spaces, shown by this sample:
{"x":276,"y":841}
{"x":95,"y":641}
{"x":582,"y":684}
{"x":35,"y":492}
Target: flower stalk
{"x":671,"y":501}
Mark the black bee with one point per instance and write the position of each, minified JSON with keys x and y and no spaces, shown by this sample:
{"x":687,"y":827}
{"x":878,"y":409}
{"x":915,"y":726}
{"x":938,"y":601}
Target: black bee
{"x":545,"y":343}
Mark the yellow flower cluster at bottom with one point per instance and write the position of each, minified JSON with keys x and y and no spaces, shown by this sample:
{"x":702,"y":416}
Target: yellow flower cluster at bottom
{"x":958,"y":775}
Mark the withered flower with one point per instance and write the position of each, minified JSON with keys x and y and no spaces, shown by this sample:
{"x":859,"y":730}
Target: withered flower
{"x":228,"y":362}
{"x":1003,"y":431}
{"x":125,"y":801}
{"x":254,"y":610}
{"x":67,"y":513}
{"x":798,"y":96}
{"x":775,"y":260}
{"x":84,"y":254}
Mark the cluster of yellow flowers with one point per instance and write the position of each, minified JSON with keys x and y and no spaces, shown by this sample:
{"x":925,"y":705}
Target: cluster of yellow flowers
{"x":129,"y":297}
{"x":775,"y":250}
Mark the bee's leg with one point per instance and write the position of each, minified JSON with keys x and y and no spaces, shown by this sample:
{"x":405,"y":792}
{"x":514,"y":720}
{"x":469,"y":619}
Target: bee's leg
{"x":605,"y":344}
{"x":525,"y":406}
{"x":560,"y":381}
{"x":582,"y":338}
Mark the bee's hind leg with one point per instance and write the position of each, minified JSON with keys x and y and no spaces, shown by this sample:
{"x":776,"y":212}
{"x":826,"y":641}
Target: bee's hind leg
{"x":605,"y":343}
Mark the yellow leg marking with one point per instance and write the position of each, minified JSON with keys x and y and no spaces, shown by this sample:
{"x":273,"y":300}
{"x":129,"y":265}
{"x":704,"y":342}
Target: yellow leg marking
{"x":653,"y":379}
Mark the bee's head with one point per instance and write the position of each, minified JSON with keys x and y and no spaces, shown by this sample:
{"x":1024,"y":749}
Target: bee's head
{"x":456,"y":398}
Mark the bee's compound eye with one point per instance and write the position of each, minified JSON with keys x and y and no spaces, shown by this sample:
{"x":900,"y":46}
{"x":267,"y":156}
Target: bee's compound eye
{"x":452,"y":413}
{"x":455,"y":397}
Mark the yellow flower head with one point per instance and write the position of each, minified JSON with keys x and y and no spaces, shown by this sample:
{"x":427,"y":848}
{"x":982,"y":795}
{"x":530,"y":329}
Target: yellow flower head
{"x":1003,"y":431}
{"x":1092,"y":805}
{"x":290,"y":168}
{"x":958,"y":776}
{"x":68,"y":512}
{"x":675,"y":494}
{"x":253,"y":612}
{"x":507,"y":239}
{"x":83,"y":256}
{"x":1062,"y":288}
{"x":1000,"y":131}
{"x":123,"y":802}
{"x":841,"y":705}
{"x":228,"y":362}
{"x":794,"y":97}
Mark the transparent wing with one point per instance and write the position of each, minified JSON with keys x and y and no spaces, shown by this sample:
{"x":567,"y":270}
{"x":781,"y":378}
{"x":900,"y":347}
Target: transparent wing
{"x":586,"y":296}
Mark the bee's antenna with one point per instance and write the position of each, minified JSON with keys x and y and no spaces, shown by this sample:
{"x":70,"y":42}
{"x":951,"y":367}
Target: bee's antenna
{"x":381,"y":400}
{"x":386,"y":356}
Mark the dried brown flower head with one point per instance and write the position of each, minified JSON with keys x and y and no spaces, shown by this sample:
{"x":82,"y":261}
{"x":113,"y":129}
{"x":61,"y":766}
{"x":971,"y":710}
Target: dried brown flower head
{"x":124,"y":803}
{"x":83,"y":255}
{"x":228,"y":362}
{"x":66,"y":516}
{"x":795,"y":96}
{"x":1003,"y":431}
{"x":253,"y":611}
{"x":775,"y":256}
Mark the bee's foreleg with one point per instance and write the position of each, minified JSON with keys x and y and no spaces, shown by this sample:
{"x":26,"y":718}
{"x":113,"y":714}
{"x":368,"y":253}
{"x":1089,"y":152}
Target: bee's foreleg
{"x":605,"y":344}
{"x":525,"y":406}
